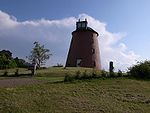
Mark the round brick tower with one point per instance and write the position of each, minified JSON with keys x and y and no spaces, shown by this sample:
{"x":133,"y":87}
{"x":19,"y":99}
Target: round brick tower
{"x":84,"y":49}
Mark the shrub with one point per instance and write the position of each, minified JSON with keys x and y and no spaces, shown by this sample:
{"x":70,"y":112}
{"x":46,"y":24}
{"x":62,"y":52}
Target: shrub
{"x":119,"y":74}
{"x":68,"y":78}
{"x":77,"y":76}
{"x":104,"y":73}
{"x":94,"y":74}
{"x":140,"y":70}
{"x":111,"y":74}
{"x":85,"y":75}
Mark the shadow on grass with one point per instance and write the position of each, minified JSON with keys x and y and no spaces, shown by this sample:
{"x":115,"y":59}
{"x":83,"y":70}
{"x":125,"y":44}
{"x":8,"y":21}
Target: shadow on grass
{"x":139,"y":79}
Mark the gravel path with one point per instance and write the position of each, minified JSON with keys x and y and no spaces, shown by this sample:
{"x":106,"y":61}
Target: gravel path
{"x":13,"y":82}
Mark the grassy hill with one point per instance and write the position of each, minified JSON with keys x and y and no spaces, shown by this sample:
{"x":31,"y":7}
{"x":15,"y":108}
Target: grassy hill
{"x":111,"y":95}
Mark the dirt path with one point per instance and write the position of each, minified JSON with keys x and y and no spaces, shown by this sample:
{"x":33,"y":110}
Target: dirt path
{"x":13,"y":82}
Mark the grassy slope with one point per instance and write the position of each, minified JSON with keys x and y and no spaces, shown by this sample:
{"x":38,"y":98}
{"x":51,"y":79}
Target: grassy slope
{"x":119,"y":95}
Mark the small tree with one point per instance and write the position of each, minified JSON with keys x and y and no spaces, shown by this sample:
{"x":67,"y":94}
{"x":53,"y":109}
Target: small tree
{"x":40,"y":54}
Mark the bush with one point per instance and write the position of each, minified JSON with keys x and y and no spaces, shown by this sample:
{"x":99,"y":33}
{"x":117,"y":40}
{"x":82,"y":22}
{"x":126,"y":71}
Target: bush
{"x":94,"y":74}
{"x":111,"y":74}
{"x":119,"y":74}
{"x":140,"y":70}
{"x":77,"y":76}
{"x":85,"y":75}
{"x":68,"y":78}
{"x":104,"y":73}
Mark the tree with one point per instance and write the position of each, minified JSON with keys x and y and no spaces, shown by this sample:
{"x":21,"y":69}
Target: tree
{"x":20,"y":62}
{"x":6,"y":53}
{"x":140,"y":70}
{"x":40,"y":54}
{"x":6,"y":60}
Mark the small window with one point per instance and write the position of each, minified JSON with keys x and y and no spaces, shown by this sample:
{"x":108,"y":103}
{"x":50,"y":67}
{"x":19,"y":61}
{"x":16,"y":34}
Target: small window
{"x":93,"y":51}
{"x":79,"y":25}
{"x":83,"y":25}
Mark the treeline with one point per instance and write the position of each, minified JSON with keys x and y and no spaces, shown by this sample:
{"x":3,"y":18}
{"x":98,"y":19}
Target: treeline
{"x":7,"y":61}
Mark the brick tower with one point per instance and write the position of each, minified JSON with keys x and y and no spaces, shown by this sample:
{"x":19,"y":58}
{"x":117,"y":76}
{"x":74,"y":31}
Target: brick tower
{"x":84,"y":49}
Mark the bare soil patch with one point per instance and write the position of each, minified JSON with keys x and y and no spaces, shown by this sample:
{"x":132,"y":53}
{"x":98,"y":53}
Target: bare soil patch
{"x":13,"y":82}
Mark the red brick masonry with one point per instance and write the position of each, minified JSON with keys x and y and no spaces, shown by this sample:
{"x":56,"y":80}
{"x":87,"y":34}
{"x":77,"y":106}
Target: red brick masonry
{"x":84,"y":46}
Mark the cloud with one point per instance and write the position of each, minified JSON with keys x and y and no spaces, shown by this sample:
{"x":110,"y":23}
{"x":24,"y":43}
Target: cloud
{"x":18,"y":37}
{"x":111,"y":47}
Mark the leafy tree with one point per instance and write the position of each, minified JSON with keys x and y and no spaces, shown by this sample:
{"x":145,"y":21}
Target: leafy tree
{"x":6,"y":60}
{"x":40,"y":54}
{"x":20,"y":62}
{"x":2,"y":59}
{"x":140,"y":70}
{"x":6,"y":53}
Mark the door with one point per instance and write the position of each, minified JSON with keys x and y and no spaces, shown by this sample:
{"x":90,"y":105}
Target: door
{"x":78,"y":62}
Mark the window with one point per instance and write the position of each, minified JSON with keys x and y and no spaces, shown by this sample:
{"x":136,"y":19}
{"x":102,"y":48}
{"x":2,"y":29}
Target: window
{"x":79,"y":25}
{"x":83,"y":25}
{"x":93,"y":51}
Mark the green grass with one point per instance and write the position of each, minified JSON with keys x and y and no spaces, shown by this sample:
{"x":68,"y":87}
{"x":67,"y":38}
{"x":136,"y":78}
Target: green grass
{"x":11,"y":72}
{"x":111,"y":95}
{"x":49,"y":72}
{"x":51,"y":79}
